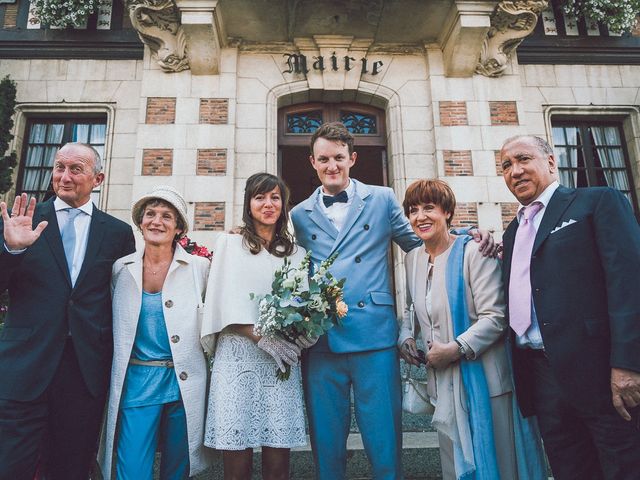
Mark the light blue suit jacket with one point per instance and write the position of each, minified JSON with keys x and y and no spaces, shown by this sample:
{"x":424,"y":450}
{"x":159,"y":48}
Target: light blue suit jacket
{"x":374,"y":219}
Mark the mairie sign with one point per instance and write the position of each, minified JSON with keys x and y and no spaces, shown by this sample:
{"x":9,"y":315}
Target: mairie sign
{"x":297,"y":63}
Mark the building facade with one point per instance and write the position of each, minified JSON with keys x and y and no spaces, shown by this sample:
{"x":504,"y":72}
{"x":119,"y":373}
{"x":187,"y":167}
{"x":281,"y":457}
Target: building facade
{"x":200,"y":94}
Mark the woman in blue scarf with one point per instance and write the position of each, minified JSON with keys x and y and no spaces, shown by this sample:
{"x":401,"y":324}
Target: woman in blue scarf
{"x":459,"y":308}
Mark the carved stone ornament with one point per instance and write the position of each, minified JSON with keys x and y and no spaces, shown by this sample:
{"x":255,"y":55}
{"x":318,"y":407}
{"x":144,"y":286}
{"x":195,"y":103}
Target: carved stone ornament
{"x":511,"y":22}
{"x":158,"y":26}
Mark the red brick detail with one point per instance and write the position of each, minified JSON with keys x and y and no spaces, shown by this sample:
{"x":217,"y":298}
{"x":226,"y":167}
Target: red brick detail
{"x":214,"y":111}
{"x":157,"y":161}
{"x":161,"y":110}
{"x":509,"y":211}
{"x":212,"y":161}
{"x":11,"y":15}
{"x":209,"y":216}
{"x":466,"y":215}
{"x":453,"y":113}
{"x":498,"y":162}
{"x":503,"y":113}
{"x":457,"y":163}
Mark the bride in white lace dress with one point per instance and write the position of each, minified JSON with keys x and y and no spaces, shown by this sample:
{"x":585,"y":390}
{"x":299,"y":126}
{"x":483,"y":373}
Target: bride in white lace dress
{"x":248,"y":406}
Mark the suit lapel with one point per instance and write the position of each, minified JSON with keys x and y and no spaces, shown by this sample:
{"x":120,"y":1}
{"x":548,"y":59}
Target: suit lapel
{"x":559,"y":202}
{"x":317,"y":216}
{"x":53,"y":238}
{"x":508,"y":239}
{"x":97,"y":232}
{"x":355,"y":210}
{"x":135,"y":268}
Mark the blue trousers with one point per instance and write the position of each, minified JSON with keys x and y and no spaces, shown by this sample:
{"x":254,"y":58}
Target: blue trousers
{"x":375,"y":378}
{"x":141,"y":429}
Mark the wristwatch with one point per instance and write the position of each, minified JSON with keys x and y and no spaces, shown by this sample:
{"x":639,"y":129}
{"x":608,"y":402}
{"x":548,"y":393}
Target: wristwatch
{"x":461,"y":350}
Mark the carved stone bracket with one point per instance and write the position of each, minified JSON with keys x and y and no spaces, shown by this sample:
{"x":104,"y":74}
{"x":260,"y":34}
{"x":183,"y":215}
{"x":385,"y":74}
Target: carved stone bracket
{"x":202,"y":25}
{"x":461,"y":37}
{"x":158,"y":26}
{"x":511,"y":22}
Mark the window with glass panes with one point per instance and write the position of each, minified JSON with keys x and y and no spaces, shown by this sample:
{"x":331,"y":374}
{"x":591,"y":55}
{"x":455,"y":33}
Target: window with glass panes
{"x":590,"y":155}
{"x":43,"y":139}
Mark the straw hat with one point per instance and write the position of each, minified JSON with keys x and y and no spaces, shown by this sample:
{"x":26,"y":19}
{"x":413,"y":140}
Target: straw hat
{"x":167,"y":194}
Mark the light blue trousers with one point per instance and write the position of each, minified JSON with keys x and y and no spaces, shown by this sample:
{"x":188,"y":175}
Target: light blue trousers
{"x":375,"y":378}
{"x":141,"y":429}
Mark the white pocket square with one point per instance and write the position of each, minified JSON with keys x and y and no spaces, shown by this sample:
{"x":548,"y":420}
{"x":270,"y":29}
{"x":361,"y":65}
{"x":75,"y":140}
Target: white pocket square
{"x":564,"y":224}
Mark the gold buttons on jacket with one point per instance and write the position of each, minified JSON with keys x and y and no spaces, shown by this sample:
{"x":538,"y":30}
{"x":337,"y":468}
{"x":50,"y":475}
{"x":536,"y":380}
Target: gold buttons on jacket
{"x":175,"y":338}
{"x":168,"y":303}
{"x":183,"y":375}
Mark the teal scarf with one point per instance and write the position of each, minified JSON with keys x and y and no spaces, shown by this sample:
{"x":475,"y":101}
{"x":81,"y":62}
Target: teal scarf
{"x":485,"y":465}
{"x":530,"y":457}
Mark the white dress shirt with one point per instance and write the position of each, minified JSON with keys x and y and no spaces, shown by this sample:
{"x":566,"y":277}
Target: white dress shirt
{"x":337,"y":213}
{"x":532,"y":338}
{"x":81,"y":224}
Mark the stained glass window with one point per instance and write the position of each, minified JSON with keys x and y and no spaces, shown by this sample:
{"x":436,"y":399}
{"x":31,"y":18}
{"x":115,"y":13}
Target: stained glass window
{"x":304,"y":122}
{"x":359,"y":123}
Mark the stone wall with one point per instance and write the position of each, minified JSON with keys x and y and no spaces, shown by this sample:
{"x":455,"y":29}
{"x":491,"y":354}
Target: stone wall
{"x":187,"y":139}
{"x":68,"y":87}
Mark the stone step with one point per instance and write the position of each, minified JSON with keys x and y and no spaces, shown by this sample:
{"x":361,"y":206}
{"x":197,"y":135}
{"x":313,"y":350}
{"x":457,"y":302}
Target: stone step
{"x":420,"y":460}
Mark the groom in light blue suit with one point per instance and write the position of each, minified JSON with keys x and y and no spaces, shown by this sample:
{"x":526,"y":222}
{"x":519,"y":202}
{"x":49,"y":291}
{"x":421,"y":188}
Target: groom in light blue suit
{"x":359,"y":222}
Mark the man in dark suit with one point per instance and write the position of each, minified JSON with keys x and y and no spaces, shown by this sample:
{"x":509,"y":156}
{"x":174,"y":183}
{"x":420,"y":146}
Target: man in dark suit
{"x":56,"y":344}
{"x":571,"y":270}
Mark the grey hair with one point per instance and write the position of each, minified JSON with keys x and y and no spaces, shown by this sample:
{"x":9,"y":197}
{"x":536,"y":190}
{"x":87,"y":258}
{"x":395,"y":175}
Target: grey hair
{"x":541,"y":143}
{"x":97,"y":161}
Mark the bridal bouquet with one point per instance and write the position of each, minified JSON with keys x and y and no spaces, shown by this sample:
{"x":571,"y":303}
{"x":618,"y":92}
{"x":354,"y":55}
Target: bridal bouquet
{"x":300,"y":304}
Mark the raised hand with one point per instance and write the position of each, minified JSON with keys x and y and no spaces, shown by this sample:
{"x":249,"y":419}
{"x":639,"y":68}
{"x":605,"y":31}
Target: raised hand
{"x":18,"y":228}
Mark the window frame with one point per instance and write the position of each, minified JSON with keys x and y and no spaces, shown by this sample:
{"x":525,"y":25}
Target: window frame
{"x":38,"y":111}
{"x":583,"y":123}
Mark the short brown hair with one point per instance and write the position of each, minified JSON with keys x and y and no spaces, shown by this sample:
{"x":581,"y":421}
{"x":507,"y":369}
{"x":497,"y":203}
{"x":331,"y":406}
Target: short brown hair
{"x":430,"y":191}
{"x":334,"y":131}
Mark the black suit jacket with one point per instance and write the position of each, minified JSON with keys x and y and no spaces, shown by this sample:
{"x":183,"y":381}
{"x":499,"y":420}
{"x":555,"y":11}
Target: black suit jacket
{"x":585,"y":283}
{"x":44,"y":308}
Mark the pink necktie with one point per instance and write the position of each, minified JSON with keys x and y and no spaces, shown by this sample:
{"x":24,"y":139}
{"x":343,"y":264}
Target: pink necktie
{"x":520,"y":279}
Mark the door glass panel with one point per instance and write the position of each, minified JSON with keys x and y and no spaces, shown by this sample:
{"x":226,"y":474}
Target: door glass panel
{"x":304,"y":122}
{"x":359,"y":123}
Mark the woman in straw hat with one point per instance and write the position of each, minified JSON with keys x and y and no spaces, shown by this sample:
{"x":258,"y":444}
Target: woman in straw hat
{"x":159,"y":374}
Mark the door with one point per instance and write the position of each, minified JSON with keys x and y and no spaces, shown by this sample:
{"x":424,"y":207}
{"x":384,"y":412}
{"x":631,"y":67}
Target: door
{"x":297,"y":123}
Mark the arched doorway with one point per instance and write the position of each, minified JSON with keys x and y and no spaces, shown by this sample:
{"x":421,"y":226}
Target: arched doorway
{"x":297,"y":123}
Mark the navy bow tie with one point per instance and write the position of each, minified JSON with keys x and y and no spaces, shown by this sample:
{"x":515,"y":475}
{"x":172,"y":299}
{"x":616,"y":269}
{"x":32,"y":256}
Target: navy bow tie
{"x":329,"y":200}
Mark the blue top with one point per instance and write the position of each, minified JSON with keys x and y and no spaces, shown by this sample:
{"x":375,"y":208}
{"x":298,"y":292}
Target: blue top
{"x":146,"y":385}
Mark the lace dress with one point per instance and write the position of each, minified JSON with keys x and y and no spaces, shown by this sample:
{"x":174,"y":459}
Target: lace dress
{"x":248,"y":406}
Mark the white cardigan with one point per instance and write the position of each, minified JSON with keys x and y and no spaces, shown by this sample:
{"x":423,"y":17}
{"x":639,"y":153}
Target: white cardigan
{"x":235,"y":274}
{"x":182,"y":307}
